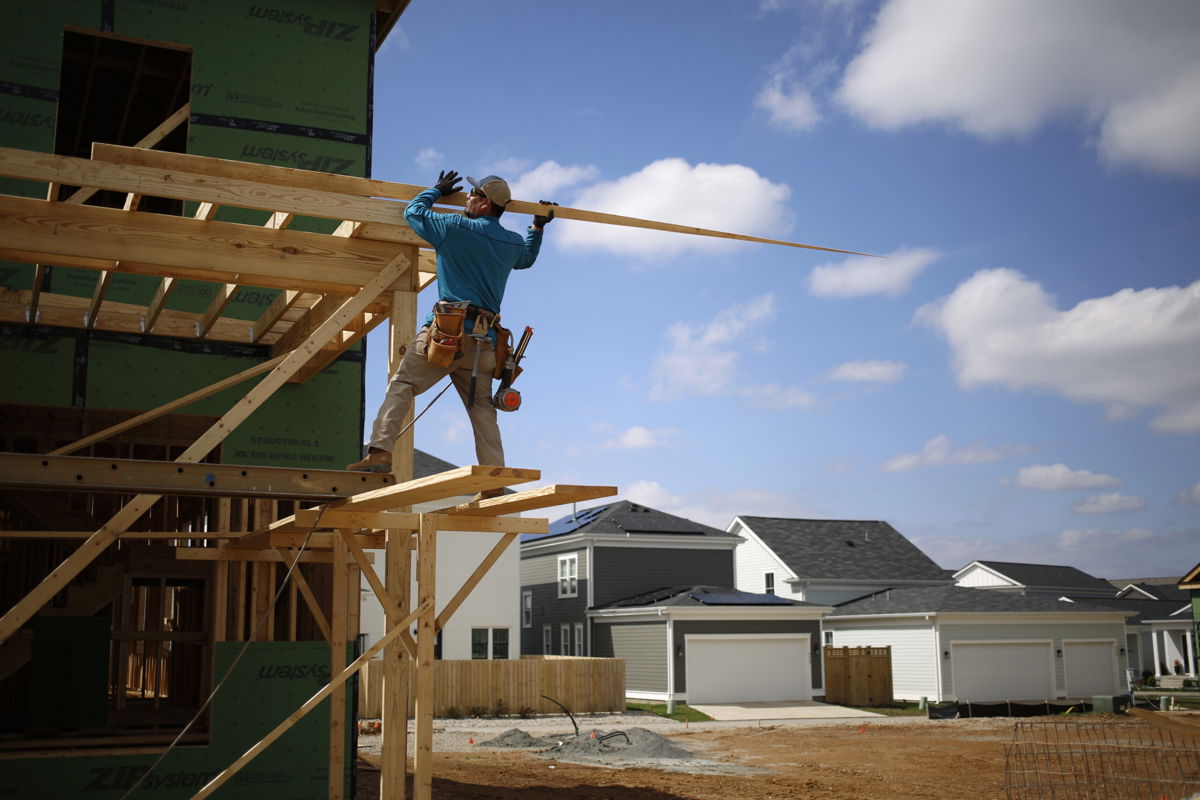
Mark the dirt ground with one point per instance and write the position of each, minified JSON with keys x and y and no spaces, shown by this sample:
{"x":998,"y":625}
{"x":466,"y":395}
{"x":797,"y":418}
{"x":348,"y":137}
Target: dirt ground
{"x":920,"y":760}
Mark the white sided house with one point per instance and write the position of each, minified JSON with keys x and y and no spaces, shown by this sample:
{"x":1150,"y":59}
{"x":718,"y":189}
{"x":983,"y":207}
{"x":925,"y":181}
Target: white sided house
{"x":827,"y":561}
{"x":1011,"y":576}
{"x":975,"y":645}
{"x":487,"y":624}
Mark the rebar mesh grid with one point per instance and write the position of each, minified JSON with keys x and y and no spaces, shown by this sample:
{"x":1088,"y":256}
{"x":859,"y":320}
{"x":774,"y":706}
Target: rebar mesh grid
{"x":1113,"y":760}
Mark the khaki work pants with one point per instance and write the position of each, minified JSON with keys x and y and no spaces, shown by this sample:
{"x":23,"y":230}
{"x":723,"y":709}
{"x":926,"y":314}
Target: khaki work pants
{"x":416,"y":374}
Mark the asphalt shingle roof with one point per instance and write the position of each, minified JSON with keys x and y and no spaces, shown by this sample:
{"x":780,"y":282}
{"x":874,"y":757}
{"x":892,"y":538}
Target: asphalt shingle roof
{"x":845,"y":549}
{"x":1146,"y":609}
{"x":928,"y":600}
{"x":1047,"y":575}
{"x":701,"y":596}
{"x":624,"y":517}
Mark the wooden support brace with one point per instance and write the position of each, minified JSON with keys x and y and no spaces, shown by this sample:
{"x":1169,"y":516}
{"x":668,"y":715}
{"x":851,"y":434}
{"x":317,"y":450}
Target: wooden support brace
{"x":233,"y":554}
{"x":41,"y":594}
{"x":206,"y":211}
{"x":167,"y":408}
{"x":469,"y":585}
{"x":35,"y":293}
{"x":102,"y":283}
{"x":150,"y":140}
{"x":279,"y":306}
{"x":338,"y":616}
{"x":390,"y":608}
{"x":221,"y":300}
{"x":426,"y":634}
{"x":165,"y":287}
{"x":132,"y":201}
{"x":310,"y":599}
{"x":338,"y":680}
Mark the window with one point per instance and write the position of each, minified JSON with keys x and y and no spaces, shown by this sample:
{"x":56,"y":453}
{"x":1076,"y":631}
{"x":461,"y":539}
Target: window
{"x":564,"y":646}
{"x":769,"y":582}
{"x":579,"y":638}
{"x":527,"y":608}
{"x":829,"y":638}
{"x":489,"y":642}
{"x":547,"y":640}
{"x":568,"y":575}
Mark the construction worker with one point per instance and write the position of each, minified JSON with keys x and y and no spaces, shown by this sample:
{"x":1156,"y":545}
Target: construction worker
{"x":475,"y":256}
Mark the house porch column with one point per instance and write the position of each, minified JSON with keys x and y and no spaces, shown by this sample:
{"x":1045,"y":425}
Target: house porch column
{"x":1157,"y":660}
{"x":1190,"y":644}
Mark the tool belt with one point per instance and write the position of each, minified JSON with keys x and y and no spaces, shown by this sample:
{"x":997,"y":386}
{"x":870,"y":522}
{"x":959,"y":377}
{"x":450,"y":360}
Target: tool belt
{"x":450,"y":324}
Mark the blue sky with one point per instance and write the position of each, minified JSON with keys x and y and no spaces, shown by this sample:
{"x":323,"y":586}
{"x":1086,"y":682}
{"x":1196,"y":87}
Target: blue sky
{"x":1019,"y":380}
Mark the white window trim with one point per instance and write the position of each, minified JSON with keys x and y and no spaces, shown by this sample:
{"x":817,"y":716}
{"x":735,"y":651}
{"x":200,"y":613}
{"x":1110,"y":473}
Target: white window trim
{"x":769,"y":583}
{"x":547,"y":640}
{"x":571,"y":577}
{"x":527,"y":608}
{"x":564,"y":645}
{"x":579,"y":639}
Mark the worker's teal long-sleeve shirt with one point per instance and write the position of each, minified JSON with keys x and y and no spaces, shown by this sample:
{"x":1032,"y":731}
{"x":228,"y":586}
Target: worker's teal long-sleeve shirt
{"x":474,"y":256}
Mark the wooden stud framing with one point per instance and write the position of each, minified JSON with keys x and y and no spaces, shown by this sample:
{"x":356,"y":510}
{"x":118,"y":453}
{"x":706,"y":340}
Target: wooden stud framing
{"x":337,"y":661}
{"x":102,"y":282}
{"x":426,"y":632}
{"x":153,"y":311}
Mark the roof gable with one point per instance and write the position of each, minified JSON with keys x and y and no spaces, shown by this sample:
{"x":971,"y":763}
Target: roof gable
{"x":815,"y":549}
{"x":1045,"y":576}
{"x":1191,"y":580}
{"x":629,"y":519}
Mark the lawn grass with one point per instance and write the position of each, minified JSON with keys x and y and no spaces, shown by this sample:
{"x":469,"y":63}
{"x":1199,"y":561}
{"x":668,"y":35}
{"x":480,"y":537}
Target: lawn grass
{"x":897,"y":709}
{"x":683,"y":712}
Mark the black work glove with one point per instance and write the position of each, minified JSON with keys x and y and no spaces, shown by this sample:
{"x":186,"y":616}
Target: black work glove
{"x":446,"y":183}
{"x":540,"y":221}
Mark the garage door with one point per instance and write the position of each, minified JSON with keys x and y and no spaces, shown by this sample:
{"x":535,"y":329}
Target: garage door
{"x":1003,"y":671}
{"x":733,"y":669}
{"x":1091,"y":668}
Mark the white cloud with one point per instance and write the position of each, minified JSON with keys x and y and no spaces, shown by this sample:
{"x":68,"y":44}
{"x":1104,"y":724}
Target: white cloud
{"x":789,"y":105}
{"x":639,"y":437}
{"x":1130,"y":350}
{"x":998,"y":68}
{"x":868,"y":372}
{"x":724,"y":197}
{"x":1108,"y":503}
{"x":861,"y":275}
{"x":549,"y":178}
{"x":1097,"y":537}
{"x":940,"y":451}
{"x":429,"y":158}
{"x":718,"y":506}
{"x":1188,"y":497}
{"x":702,"y":359}
{"x":1059,"y":477}
{"x":779,"y":398}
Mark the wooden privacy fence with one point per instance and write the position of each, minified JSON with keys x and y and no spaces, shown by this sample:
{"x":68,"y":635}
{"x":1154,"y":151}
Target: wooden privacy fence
{"x":858,"y":676}
{"x":581,"y":684}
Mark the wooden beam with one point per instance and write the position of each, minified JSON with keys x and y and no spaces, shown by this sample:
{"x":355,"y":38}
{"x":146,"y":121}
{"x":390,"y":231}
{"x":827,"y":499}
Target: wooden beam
{"x":338,"y":680}
{"x":544,"y":497}
{"x":133,"y":536}
{"x":102,"y":282}
{"x":390,"y":608}
{"x":312,"y":319}
{"x":422,"y":781}
{"x":35,"y":293}
{"x":165,"y":287}
{"x":310,"y":599}
{"x":341,"y":183}
{"x":206,"y":211}
{"x":93,"y":237}
{"x":41,"y":594}
{"x":235,"y":554}
{"x":354,"y":334}
{"x":151,"y":139}
{"x":267,"y":320}
{"x":469,"y":585}
{"x":338,"y":616}
{"x":224,"y":296}
{"x":126,"y":475}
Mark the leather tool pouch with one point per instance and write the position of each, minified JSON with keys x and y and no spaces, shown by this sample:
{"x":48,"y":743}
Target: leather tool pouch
{"x":503,"y":349}
{"x":446,"y":332}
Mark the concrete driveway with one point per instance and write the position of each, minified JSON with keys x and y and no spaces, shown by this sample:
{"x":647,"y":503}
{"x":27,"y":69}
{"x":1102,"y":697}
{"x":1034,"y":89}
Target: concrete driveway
{"x":783,"y":709}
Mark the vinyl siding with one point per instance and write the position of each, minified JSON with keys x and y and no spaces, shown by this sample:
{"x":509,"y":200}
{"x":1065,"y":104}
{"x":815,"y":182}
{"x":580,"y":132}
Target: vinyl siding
{"x":539,"y":574}
{"x":643,"y":645}
{"x":627,"y":571}
{"x":914,"y":650}
{"x":978,"y":578}
{"x":1053,"y":631}
{"x":752,"y":562}
{"x":685,"y":627}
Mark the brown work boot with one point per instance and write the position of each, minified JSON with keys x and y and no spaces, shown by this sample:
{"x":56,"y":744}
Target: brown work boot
{"x":376,"y":461}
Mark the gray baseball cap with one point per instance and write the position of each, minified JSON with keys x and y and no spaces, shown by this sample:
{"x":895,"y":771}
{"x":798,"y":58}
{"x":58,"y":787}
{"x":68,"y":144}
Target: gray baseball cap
{"x":494,"y":188}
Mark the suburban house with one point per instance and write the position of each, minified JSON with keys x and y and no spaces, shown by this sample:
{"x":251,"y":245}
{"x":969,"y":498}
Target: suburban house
{"x":1045,"y":578}
{"x":1191,"y":584}
{"x":968,"y":644}
{"x":485,"y":625}
{"x":827,"y":561}
{"x":627,"y":581}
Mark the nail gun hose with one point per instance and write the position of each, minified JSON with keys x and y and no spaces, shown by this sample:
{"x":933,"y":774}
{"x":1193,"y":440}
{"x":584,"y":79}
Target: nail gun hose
{"x":426,"y":408}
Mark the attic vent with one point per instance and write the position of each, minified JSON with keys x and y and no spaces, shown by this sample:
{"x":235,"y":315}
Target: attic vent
{"x":850,"y":543}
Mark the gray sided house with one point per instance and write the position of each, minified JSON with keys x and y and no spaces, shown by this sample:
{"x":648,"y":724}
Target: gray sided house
{"x":712,"y":644}
{"x":607,"y":553}
{"x":959,"y":643}
{"x":827,"y":561}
